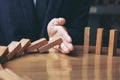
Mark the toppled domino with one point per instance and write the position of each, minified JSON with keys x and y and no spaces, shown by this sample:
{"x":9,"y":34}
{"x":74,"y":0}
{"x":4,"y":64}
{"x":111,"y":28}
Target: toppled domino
{"x":51,"y":43}
{"x":24,"y":45}
{"x":37,"y":44}
{"x":3,"y":53}
{"x":13,"y":48}
{"x":1,"y":67}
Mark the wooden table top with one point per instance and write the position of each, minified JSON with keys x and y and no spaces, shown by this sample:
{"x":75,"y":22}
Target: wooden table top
{"x":75,"y":66}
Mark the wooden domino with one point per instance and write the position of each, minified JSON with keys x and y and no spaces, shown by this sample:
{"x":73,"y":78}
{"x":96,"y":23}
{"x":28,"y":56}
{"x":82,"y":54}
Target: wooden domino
{"x":3,"y":53}
{"x":99,"y":41}
{"x":13,"y":49}
{"x":86,"y":40}
{"x":1,"y":67}
{"x":24,"y":45}
{"x":37,"y":44}
{"x":51,"y":43}
{"x":112,"y":42}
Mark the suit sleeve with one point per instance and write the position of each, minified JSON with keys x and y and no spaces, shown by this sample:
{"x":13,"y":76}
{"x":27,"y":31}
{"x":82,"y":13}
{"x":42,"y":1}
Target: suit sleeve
{"x":76,"y":19}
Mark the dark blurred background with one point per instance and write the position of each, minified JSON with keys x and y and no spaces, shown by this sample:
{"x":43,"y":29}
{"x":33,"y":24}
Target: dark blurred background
{"x":105,"y":14}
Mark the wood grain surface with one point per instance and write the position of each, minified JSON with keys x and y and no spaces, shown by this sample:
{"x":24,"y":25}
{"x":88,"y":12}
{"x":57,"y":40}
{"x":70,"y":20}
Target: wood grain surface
{"x":75,"y":66}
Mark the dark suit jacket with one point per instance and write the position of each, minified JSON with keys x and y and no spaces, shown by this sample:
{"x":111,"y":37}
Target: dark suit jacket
{"x":18,"y":19}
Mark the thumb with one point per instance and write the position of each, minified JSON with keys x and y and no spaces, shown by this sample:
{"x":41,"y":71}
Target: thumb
{"x":60,"y":21}
{"x":56,"y":21}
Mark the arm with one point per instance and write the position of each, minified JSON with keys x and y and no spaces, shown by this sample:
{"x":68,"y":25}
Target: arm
{"x":76,"y":15}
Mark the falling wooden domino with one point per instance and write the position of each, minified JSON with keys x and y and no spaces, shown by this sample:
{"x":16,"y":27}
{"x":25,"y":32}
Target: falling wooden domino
{"x":1,"y":67}
{"x":13,"y":48}
{"x":86,"y":40}
{"x":99,"y":37}
{"x":51,"y":43}
{"x":24,"y":45}
{"x":3,"y":53}
{"x":112,"y":42}
{"x":37,"y":44}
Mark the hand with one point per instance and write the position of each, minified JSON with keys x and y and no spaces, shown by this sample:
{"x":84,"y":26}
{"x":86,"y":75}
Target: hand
{"x":55,"y":28}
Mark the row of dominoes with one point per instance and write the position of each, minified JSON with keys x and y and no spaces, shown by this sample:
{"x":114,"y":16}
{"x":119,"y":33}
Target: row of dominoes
{"x":24,"y":45}
{"x":7,"y":74}
{"x":112,"y":47}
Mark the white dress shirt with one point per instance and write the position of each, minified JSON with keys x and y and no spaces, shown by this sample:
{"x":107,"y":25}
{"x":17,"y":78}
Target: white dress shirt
{"x":34,"y":2}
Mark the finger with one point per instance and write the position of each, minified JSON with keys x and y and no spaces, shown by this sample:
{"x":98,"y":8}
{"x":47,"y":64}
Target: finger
{"x":52,"y":22}
{"x":63,"y":33}
{"x":57,"y":47}
{"x":63,"y":48}
{"x":51,"y":27}
{"x":69,"y":46}
{"x":67,"y":37}
{"x":52,"y":32}
{"x":61,"y":21}
{"x":57,"y":21}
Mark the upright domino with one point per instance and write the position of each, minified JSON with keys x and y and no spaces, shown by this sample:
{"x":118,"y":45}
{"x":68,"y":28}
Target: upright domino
{"x":86,"y":40}
{"x":99,"y":37}
{"x":112,"y":42}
